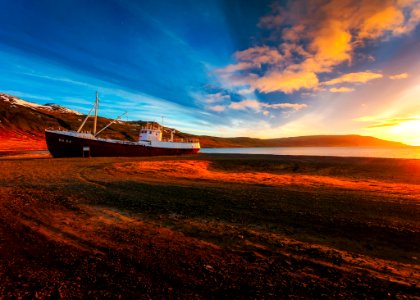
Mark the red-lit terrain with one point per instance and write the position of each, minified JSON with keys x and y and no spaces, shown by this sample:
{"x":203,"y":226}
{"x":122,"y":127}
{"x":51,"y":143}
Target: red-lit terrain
{"x":209,"y":226}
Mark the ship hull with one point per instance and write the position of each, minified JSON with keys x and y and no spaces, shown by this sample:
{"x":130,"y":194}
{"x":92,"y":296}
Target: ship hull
{"x":64,"y":145}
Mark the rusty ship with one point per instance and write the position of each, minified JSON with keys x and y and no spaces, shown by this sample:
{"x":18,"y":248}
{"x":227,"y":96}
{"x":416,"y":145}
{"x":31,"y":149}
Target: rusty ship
{"x":78,"y":143}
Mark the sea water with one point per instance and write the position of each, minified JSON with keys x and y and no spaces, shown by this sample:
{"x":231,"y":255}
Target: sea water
{"x":403,"y":152}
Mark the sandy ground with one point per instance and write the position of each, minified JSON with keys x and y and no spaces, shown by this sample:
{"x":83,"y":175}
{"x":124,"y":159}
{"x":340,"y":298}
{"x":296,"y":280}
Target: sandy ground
{"x":209,"y":226}
{"x":21,"y":142}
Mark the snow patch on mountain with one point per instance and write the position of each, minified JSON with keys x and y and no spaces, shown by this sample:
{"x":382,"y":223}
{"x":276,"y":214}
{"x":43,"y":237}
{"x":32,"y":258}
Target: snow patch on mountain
{"x":49,"y":106}
{"x":59,"y":108}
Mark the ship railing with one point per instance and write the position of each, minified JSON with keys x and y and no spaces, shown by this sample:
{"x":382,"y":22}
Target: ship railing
{"x":151,"y":127}
{"x":181,"y":140}
{"x":66,"y":130}
{"x":86,"y":134}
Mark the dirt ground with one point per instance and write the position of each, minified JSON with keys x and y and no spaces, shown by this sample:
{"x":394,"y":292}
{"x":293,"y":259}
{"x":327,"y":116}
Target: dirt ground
{"x":209,"y":227}
{"x":13,"y":143}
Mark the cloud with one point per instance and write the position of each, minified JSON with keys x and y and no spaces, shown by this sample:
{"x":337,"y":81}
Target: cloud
{"x":294,"y":106}
{"x":217,"y":97}
{"x":236,"y":67}
{"x":341,"y":90}
{"x":413,"y":16}
{"x":398,"y":76}
{"x":257,"y":106}
{"x":358,"y":77}
{"x":287,"y":82}
{"x":216,"y":108}
{"x":331,"y":45}
{"x":309,"y":38}
{"x":253,"y":58}
{"x":260,"y":55}
{"x":385,"y":122}
{"x":244,"y":104}
{"x":274,"y":19}
{"x":389,"y":18}
{"x":245,"y":91}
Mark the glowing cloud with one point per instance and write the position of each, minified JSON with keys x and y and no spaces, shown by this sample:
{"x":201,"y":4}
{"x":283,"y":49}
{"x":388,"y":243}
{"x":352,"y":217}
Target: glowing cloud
{"x":331,"y":46}
{"x":341,"y":90}
{"x":217,"y":97}
{"x":257,"y":106}
{"x":259,"y":55}
{"x":216,"y":108}
{"x":358,"y":77}
{"x":380,"y":122}
{"x":390,"y":18}
{"x":287,"y":82}
{"x":315,"y":37}
{"x":398,"y":76}
{"x":244,"y":104}
{"x":294,"y":106}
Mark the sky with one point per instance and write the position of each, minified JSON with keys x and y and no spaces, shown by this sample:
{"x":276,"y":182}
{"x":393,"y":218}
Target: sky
{"x":254,"y":68}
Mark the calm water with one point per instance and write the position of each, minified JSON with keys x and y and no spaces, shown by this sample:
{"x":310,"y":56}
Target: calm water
{"x":409,"y":152}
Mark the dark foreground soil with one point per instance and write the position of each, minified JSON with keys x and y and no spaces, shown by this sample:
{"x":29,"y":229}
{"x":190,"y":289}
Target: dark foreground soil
{"x":209,"y":226}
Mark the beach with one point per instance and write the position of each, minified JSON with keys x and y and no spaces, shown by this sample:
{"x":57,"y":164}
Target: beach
{"x":209,"y":226}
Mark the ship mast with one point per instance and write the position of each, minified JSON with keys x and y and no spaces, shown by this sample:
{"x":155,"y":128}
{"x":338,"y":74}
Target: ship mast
{"x":112,"y":122}
{"x":96,"y":113}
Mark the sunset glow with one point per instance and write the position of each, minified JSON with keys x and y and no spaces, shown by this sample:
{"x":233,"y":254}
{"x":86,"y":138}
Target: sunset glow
{"x":225,"y":68}
{"x":405,"y":132}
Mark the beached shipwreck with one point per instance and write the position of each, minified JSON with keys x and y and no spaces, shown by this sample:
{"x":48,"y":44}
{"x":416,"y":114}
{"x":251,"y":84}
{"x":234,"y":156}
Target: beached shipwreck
{"x":63,"y":143}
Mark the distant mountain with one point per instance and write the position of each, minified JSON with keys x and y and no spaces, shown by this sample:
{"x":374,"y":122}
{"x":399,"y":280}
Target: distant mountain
{"x":22,"y":126}
{"x":300,"y":141}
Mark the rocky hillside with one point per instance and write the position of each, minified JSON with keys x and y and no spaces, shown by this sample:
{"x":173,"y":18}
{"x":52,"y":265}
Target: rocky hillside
{"x":22,"y":123}
{"x":22,"y":126}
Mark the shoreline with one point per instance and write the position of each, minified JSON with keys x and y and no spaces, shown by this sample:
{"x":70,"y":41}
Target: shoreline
{"x":4,"y":153}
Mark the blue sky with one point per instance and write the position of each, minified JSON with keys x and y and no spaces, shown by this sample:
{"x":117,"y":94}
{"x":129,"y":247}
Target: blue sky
{"x":225,"y":68}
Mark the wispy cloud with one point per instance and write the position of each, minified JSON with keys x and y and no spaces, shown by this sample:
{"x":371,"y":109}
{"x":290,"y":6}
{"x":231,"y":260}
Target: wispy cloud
{"x":259,"y":56}
{"x":257,"y":105}
{"x":294,"y":106}
{"x":253,"y":58}
{"x":244,"y":104}
{"x":341,"y":90}
{"x":375,"y":122}
{"x":216,"y":98}
{"x":398,"y":76}
{"x":216,"y":108}
{"x":358,"y":77}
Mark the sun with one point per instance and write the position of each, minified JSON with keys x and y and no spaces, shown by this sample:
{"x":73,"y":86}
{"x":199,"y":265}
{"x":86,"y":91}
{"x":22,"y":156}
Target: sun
{"x":407,"y":132}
